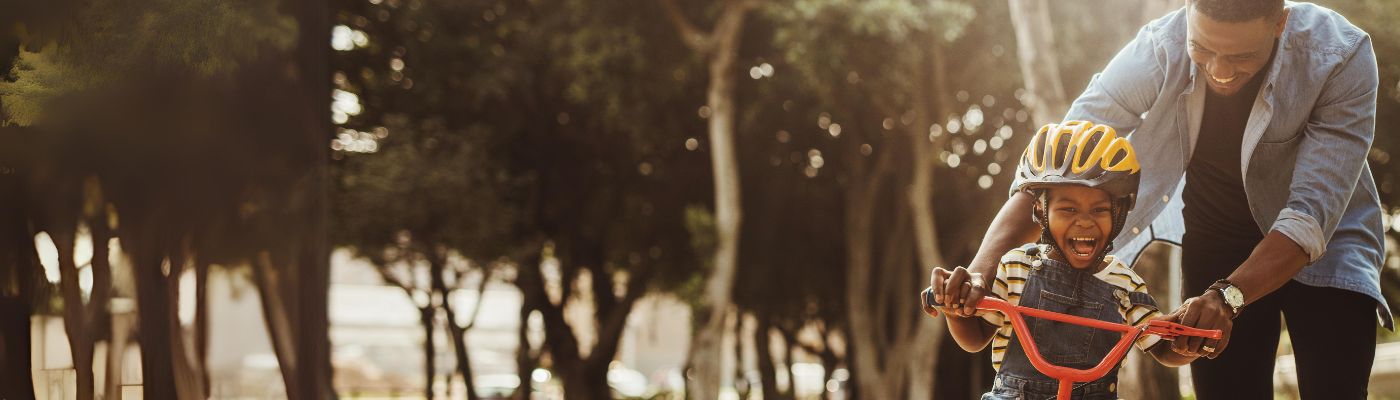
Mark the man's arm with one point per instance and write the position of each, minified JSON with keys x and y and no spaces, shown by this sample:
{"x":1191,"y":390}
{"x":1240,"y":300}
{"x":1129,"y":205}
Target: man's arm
{"x":1012,"y":227}
{"x":1274,"y":261}
{"x":1331,"y":156}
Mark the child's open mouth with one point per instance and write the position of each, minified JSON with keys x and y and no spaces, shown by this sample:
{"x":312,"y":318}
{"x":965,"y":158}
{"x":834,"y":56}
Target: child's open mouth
{"x":1083,"y":246}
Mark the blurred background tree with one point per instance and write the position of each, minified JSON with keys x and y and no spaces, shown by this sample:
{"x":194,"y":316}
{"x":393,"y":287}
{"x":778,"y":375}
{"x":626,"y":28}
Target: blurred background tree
{"x":156,"y":123}
{"x":789,"y":169}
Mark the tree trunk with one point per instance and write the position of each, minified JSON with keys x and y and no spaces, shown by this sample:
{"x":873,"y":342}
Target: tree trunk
{"x":789,"y":345}
{"x":825,"y":353}
{"x":280,"y":331}
{"x":74,"y":311}
{"x":153,"y":302}
{"x":457,"y":332}
{"x":188,"y":372}
{"x":116,"y":352}
{"x":429,"y":372}
{"x":721,"y":49}
{"x":871,"y":344}
{"x":1035,"y":46}
{"x":313,"y":344}
{"x":98,"y":314}
{"x":312,"y":296}
{"x":741,"y":382}
{"x":464,"y":365}
{"x":16,"y":374}
{"x":586,"y":383}
{"x":929,"y":107}
{"x":201,"y":321}
{"x":763,"y":347}
{"x":559,"y":337}
{"x":613,"y":323}
{"x":19,"y":265}
{"x":525,"y":362}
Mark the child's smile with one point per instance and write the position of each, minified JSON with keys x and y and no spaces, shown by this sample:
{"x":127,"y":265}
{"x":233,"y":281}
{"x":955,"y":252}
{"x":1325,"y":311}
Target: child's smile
{"x":1080,"y":219}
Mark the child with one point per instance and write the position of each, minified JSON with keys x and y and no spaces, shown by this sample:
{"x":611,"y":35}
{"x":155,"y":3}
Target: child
{"x":1084,"y":178}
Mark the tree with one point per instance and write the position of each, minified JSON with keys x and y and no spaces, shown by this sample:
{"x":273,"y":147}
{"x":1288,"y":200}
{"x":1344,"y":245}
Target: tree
{"x":19,"y":269}
{"x":720,"y":48}
{"x":428,"y":202}
{"x":883,"y":141}
{"x":93,"y":63}
{"x":601,"y":186}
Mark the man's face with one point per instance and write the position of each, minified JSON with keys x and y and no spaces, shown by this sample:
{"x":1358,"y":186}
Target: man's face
{"x":1080,"y":219}
{"x":1230,"y":53}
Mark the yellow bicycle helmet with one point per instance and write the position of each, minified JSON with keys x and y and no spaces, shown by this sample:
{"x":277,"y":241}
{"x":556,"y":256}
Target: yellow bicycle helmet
{"x":1085,"y":154}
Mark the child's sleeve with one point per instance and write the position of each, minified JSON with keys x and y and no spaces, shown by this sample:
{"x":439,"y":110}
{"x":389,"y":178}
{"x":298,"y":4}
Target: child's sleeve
{"x":1002,"y":289}
{"x":1140,"y":308}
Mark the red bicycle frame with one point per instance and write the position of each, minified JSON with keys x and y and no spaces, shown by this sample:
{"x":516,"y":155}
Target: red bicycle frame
{"x":1068,"y":376}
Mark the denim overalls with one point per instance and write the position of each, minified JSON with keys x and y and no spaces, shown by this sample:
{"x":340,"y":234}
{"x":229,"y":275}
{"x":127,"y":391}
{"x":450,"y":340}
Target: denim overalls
{"x":1056,"y":286}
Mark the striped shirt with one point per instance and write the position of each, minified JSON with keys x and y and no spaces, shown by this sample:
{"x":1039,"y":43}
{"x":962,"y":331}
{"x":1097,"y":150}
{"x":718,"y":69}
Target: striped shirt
{"x":1015,"y":267}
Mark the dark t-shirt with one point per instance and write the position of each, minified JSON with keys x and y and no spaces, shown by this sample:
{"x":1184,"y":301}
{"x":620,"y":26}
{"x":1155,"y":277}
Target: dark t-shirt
{"x":1220,"y":229}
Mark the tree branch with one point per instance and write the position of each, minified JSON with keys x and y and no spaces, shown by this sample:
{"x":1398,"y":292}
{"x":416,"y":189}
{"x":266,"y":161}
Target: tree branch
{"x":392,"y":279}
{"x":690,"y":35}
{"x":613,"y":324}
{"x":480,"y":295}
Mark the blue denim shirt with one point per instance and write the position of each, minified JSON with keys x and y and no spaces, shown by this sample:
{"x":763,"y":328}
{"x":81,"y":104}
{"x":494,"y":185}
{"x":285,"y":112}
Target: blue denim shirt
{"x":1303,"y":157}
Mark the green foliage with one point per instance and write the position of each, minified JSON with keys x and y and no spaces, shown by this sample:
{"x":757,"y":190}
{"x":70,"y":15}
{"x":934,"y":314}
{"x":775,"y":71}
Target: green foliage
{"x":40,"y":81}
{"x":439,"y":186}
{"x":108,"y":43}
{"x":700,"y":222}
{"x":826,"y":40}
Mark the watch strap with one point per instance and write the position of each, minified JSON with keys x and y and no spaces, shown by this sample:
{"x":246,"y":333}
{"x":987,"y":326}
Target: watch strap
{"x":1221,"y":286}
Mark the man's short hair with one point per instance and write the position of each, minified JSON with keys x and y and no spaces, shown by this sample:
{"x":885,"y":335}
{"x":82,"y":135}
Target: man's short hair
{"x":1238,"y":10}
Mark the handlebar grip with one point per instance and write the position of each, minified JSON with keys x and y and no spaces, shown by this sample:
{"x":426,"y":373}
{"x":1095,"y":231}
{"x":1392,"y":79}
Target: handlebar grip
{"x":1171,"y":330}
{"x":927,"y":297}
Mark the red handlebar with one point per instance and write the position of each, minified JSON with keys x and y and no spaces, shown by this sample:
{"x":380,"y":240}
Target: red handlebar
{"x":1066,"y":375}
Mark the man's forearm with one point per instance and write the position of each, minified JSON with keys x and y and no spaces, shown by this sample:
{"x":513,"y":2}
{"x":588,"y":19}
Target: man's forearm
{"x":1012,"y":227}
{"x":1274,"y":261}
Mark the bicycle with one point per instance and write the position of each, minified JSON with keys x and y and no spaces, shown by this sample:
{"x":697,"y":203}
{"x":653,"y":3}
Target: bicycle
{"x":1069,"y":376}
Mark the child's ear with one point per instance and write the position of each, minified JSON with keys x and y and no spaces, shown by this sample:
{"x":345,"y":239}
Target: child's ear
{"x":1037,"y":211}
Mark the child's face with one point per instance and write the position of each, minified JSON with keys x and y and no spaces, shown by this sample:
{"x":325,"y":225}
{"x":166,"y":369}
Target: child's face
{"x":1080,"y":221}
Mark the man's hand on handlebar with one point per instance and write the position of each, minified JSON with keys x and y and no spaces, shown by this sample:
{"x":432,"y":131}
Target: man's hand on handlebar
{"x":958,"y":290}
{"x":1207,"y":311}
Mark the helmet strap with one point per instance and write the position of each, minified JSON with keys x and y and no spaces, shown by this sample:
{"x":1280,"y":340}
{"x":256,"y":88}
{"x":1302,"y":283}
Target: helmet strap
{"x":1041,"y":215}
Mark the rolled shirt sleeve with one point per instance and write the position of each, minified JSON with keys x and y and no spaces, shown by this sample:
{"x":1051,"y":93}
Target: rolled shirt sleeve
{"x":1332,"y":154}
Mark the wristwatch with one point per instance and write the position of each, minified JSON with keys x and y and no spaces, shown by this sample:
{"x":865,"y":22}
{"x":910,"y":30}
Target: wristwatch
{"x":1231,"y":294}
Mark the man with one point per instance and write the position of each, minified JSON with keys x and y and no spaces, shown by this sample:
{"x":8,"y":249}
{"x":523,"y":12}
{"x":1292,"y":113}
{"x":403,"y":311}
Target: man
{"x":1252,"y":119}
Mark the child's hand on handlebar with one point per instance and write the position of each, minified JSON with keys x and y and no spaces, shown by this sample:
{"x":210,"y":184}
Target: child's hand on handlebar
{"x":953,"y":289}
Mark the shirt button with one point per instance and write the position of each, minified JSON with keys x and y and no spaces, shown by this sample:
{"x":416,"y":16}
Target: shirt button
{"x":1165,"y":198}
{"x":1135,"y":230}
{"x":1112,"y":386}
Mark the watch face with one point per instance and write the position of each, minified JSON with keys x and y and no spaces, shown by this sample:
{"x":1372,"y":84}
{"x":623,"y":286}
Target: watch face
{"x":1233,"y":296}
